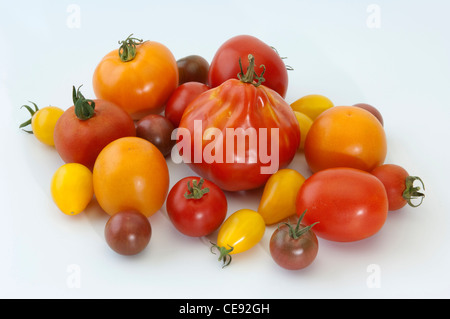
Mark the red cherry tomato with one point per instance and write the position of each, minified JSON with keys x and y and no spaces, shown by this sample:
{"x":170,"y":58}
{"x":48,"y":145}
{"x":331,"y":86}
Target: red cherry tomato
{"x":157,"y":130}
{"x":180,"y":98}
{"x":196,"y":207}
{"x":349,"y":204}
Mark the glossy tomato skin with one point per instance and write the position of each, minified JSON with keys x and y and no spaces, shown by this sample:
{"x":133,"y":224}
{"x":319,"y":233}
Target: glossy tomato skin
{"x":348,"y":203}
{"x":80,"y":141}
{"x":140,"y":86}
{"x":224,"y":64}
{"x":345,"y":136}
{"x":193,"y":68}
{"x":237,"y":108}
{"x":156,"y":129}
{"x":196,"y":217}
{"x":372,"y":109}
{"x":180,"y":99}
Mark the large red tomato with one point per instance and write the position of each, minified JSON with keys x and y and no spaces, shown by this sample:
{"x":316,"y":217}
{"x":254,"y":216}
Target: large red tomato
{"x":349,"y":204}
{"x":223,"y":65}
{"x":239,"y":133}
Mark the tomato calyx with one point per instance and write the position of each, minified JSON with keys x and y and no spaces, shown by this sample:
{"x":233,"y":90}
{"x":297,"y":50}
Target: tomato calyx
{"x":224,"y":254}
{"x":413,"y":192}
{"x":195,"y":191}
{"x":298,"y":231}
{"x":251,"y":76}
{"x":127,"y":50}
{"x":32,"y":112}
{"x":84,"y":108}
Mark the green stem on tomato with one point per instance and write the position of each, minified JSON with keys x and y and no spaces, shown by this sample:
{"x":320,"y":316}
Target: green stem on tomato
{"x":84,"y":108}
{"x":224,"y":254}
{"x":411,"y":192}
{"x":195,"y":191}
{"x":127,"y":49}
{"x":298,"y":231}
{"x":32,"y":112}
{"x":250,"y":76}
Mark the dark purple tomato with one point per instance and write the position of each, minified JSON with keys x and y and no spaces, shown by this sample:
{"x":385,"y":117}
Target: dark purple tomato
{"x":156,"y":129}
{"x":371,"y":109}
{"x":294,"y":247}
{"x":128,"y":232}
{"x":193,"y":68}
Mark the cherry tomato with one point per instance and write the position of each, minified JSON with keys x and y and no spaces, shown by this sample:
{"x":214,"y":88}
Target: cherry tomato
{"x":223,"y":65}
{"x":87,"y":127}
{"x":196,"y":207}
{"x":372,"y":110}
{"x":193,"y":68}
{"x":131,"y":173}
{"x":294,"y":248}
{"x":156,"y":129}
{"x":180,"y":98}
{"x":346,"y":136}
{"x":241,"y":231}
{"x":349,"y":204}
{"x":399,"y":186}
{"x":304,"y":123}
{"x":43,"y":122}
{"x":72,"y":188}
{"x":239,"y":133}
{"x":128,"y":232}
{"x":312,"y":105}
{"x":139,"y":77}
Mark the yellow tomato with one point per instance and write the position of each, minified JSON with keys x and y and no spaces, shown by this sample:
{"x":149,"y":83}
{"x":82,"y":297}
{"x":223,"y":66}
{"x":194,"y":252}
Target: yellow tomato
{"x":241,"y":231}
{"x":72,"y":188}
{"x":279,"y":195}
{"x":304,"y":122}
{"x":312,"y":105}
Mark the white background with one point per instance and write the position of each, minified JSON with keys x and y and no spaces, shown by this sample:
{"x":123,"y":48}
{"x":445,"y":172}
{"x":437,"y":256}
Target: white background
{"x":400,"y":65}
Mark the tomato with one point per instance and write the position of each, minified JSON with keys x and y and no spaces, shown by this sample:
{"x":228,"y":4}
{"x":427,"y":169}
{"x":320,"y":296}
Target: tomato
{"x":223,"y":65}
{"x":399,"y":186}
{"x":43,"y":122}
{"x":156,"y":129}
{"x":240,"y":232}
{"x":346,"y":136}
{"x":349,"y":204}
{"x":312,"y":105}
{"x":87,"y":127}
{"x":139,"y":77}
{"x":193,"y":68}
{"x":279,"y":195}
{"x":304,"y":123}
{"x":72,"y":188}
{"x":294,"y":248}
{"x":196,"y":207}
{"x":372,"y":109}
{"x":131,"y":173}
{"x":239,"y":133}
{"x":128,"y":232}
{"x":180,"y":98}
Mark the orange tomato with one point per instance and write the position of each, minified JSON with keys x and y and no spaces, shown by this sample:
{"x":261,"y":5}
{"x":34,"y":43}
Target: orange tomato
{"x":139,"y":77}
{"x":130,"y":173}
{"x":345,"y":136}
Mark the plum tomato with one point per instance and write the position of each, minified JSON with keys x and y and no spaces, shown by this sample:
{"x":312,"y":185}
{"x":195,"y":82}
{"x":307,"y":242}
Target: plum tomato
{"x":196,"y":207}
{"x":128,"y":232}
{"x":156,"y":129}
{"x":294,"y":247}
{"x":349,"y":204}
{"x":193,"y":68}
{"x":304,"y":123}
{"x":399,"y":186}
{"x":372,"y":109}
{"x":180,"y":99}
{"x":312,"y":105}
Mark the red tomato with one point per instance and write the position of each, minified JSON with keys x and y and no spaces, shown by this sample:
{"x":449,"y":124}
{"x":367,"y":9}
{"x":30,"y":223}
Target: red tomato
{"x":87,"y":127}
{"x":196,"y":207}
{"x":348,"y":203}
{"x":223,"y":65}
{"x":180,"y":98}
{"x":399,"y":186}
{"x":156,"y":129}
{"x":238,"y":134}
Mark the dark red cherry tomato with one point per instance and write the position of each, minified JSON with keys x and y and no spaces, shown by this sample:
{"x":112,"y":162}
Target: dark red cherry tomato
{"x":193,"y":68}
{"x":157,"y":130}
{"x":372,"y":109}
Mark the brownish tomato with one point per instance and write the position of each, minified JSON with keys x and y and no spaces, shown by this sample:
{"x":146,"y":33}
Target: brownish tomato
{"x":193,"y":68}
{"x":156,"y":129}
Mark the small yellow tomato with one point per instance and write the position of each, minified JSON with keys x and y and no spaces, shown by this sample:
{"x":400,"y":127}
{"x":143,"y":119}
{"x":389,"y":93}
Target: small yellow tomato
{"x":43,"y":122}
{"x":72,"y":188}
{"x":304,"y":122}
{"x":312,"y":105}
{"x":279,"y":195}
{"x":241,"y":231}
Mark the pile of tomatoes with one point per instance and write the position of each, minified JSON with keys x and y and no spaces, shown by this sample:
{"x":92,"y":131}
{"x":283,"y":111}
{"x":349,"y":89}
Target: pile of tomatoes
{"x":149,"y":106}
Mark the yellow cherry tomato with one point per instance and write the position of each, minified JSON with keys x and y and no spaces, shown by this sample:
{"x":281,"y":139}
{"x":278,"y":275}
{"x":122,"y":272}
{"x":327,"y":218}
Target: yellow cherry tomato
{"x":241,"y":231}
{"x":304,"y":122}
{"x":43,"y":122}
{"x":72,"y":188}
{"x":312,"y":105}
{"x":279,"y":195}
